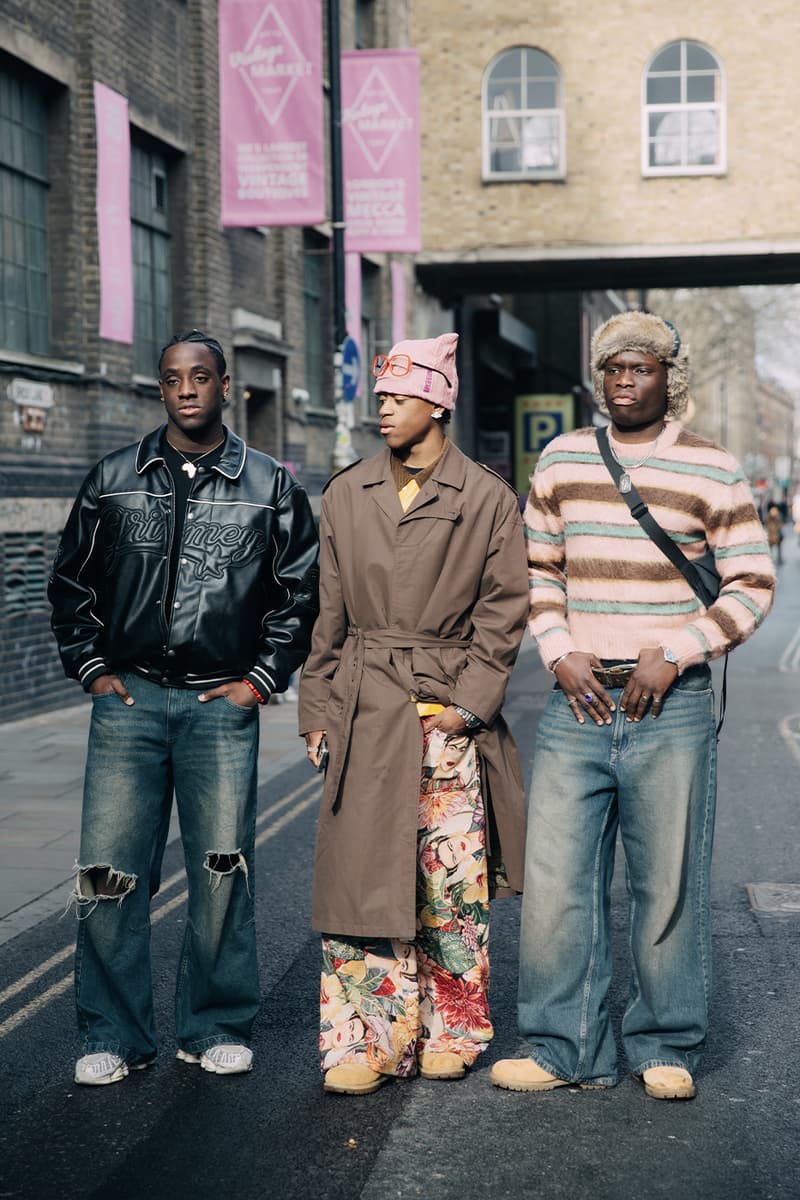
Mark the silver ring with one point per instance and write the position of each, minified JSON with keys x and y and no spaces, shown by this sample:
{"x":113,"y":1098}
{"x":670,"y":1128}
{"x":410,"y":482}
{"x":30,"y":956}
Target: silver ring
{"x":589,"y":698}
{"x":644,"y":696}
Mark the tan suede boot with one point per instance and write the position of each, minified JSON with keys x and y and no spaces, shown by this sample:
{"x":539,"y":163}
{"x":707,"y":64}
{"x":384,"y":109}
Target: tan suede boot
{"x":524,"y":1075}
{"x":353,"y":1079}
{"x":668,"y":1083}
{"x":441,"y":1064}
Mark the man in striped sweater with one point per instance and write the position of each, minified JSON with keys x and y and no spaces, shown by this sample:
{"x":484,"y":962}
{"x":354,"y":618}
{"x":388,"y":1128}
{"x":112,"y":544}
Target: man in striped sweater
{"x":628,"y":740}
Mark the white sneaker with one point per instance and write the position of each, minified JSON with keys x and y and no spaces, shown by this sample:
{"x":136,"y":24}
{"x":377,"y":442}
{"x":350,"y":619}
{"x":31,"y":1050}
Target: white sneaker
{"x":103,"y":1068}
{"x":227,"y":1059}
{"x":187,"y":1056}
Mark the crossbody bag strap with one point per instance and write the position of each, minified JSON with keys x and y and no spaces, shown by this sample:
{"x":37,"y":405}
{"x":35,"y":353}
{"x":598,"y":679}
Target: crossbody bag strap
{"x":673,"y":552}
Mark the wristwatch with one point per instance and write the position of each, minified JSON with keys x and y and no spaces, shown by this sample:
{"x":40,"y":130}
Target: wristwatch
{"x":469,"y":719}
{"x":669,"y":656}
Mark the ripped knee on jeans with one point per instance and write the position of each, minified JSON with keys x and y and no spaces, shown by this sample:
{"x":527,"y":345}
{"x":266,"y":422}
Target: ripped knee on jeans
{"x":99,"y":881}
{"x":220,"y":864}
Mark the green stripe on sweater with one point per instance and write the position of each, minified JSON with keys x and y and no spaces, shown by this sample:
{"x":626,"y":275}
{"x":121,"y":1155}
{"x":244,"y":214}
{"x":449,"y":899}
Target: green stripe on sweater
{"x":633,"y":608}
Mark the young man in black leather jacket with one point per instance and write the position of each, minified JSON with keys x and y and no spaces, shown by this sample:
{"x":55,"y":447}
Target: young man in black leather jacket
{"x":184,"y":591}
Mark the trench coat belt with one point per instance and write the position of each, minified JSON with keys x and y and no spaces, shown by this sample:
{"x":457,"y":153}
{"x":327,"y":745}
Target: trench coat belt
{"x":392,"y":638}
{"x":361,"y":640}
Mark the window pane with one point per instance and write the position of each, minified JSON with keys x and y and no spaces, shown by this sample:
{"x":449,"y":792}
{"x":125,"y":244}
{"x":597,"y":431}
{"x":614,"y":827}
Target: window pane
{"x":541,"y":95}
{"x":365,"y":24}
{"x":17,"y":146}
{"x":540,"y":64}
{"x":508,"y":66}
{"x":700,"y":89}
{"x":23,"y":215}
{"x":664,"y":89}
{"x":503,"y":95}
{"x":540,"y":143}
{"x":505,"y":144}
{"x":669,"y":59}
{"x":665,"y":139}
{"x":5,"y":141}
{"x":698,"y":59}
{"x":37,"y":292}
{"x":702,"y":138}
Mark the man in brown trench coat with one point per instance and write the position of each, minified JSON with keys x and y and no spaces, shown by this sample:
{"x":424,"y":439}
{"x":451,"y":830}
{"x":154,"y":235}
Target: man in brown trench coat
{"x":423,"y":597}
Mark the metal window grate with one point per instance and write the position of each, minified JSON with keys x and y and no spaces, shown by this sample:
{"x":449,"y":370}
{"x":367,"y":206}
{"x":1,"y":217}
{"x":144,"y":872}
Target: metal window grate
{"x":24,"y":560}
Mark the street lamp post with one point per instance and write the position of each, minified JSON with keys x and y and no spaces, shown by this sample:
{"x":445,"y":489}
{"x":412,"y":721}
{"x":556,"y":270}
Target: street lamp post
{"x":343,"y":452}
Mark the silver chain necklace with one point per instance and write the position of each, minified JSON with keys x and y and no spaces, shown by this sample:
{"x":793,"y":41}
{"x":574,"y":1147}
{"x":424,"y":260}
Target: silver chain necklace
{"x":190,"y":465}
{"x":625,"y":482}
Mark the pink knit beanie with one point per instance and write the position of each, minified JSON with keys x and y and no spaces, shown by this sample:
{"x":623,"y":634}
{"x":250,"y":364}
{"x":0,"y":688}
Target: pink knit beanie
{"x":433,"y":375}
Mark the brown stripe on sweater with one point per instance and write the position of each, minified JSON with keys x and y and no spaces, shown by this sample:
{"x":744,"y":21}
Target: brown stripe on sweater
{"x":678,"y":501}
{"x":620,"y":569}
{"x":587,"y":490}
{"x":726,"y":623}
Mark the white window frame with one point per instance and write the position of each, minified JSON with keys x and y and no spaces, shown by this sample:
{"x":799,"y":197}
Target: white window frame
{"x":487,"y":116}
{"x":684,"y":108}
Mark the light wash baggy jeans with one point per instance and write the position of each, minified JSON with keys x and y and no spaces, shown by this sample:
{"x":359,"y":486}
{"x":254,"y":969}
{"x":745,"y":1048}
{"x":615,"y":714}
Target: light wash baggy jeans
{"x":137,"y":754}
{"x":656,"y":781}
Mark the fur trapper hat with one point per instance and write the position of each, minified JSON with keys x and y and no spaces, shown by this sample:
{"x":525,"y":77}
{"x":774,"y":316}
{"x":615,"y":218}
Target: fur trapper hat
{"x":643,"y":331}
{"x":433,"y":375}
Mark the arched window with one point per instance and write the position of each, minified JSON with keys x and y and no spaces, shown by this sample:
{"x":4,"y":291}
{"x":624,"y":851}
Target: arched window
{"x":523,"y":118}
{"x":683,"y":112}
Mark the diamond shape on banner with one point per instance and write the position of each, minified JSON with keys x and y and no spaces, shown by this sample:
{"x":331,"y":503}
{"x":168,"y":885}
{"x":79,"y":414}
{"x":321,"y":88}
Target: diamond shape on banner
{"x":376,"y":119}
{"x":269,"y":48}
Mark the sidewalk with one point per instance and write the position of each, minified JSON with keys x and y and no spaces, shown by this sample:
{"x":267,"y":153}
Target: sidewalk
{"x":41,"y":783}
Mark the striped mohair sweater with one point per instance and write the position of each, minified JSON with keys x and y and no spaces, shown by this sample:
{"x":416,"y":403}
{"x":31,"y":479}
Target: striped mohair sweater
{"x":599,"y":584}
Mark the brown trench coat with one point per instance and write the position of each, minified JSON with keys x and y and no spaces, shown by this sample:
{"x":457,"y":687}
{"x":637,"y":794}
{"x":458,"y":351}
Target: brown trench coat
{"x":431,"y":602}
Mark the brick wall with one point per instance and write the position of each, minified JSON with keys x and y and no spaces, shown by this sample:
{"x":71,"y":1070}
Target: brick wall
{"x":601,"y":52}
{"x":162,"y":55}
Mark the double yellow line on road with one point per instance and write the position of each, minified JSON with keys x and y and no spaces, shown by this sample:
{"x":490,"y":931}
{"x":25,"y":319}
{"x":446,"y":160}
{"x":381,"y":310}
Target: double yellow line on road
{"x":293,"y":804}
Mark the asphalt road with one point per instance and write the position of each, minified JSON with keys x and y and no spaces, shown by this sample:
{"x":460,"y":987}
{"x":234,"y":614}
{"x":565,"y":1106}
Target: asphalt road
{"x":175,"y":1131}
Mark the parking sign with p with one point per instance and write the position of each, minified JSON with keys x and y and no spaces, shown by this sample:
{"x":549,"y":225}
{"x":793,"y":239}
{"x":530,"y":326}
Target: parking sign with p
{"x":539,"y":420}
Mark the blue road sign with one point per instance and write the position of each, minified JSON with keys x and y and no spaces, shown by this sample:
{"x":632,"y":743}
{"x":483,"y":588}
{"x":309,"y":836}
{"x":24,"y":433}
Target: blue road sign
{"x":351,"y":369}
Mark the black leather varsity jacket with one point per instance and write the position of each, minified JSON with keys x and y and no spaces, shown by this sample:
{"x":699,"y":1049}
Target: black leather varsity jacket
{"x":246,"y":592}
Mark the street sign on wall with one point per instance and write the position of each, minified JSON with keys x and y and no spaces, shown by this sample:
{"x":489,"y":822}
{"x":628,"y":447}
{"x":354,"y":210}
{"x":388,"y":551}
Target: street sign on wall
{"x":538,"y":420}
{"x":351,"y":369}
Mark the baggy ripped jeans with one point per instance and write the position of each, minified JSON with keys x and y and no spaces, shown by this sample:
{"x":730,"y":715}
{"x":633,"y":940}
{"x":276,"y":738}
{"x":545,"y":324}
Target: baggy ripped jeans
{"x":207,"y":753}
{"x":655,"y":781}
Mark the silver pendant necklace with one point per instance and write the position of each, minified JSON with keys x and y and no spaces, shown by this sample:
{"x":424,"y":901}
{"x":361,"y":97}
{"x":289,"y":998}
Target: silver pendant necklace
{"x":190,"y":465}
{"x":625,"y":482}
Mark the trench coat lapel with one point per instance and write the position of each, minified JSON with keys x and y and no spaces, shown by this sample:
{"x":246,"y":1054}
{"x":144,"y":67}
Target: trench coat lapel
{"x":441,"y":492}
{"x":440,"y":496}
{"x":379,"y":486}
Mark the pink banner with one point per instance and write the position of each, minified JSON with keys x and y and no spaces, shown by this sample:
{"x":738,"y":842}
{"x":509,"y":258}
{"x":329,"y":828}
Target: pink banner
{"x":114,"y":214}
{"x":398,"y":302}
{"x":271,"y":131}
{"x":380,"y":148}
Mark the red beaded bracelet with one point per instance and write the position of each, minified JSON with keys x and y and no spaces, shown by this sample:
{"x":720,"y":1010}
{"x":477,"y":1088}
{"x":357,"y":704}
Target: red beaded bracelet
{"x":255,"y":691}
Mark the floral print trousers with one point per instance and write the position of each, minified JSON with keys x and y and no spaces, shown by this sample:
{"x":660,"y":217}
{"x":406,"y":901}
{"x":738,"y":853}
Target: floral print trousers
{"x":383,"y":1002}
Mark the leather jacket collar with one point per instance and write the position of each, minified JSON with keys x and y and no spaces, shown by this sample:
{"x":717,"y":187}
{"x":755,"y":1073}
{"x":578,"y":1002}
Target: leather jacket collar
{"x":231,"y":462}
